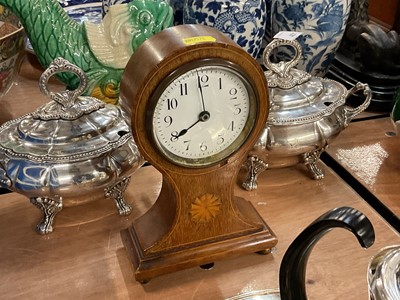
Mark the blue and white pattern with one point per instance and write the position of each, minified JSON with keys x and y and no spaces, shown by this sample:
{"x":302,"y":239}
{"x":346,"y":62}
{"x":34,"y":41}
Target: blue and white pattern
{"x":242,"y":20}
{"x":65,"y":3}
{"x":83,"y":10}
{"x":107,"y":3}
{"x":322,"y":23}
{"x":89,"y":12}
{"x":177,"y":6}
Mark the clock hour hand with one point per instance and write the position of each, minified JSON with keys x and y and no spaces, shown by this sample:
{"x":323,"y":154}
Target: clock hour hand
{"x":203,"y":117}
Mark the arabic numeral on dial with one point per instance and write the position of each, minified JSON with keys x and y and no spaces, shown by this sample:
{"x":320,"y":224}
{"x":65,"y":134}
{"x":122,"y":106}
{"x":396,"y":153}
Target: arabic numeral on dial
{"x":220,"y":139}
{"x":172,"y":103}
{"x":203,"y":146}
{"x":237,"y":110}
{"x":187,"y":143}
{"x":233,"y":93}
{"x":174,"y":136}
{"x":231,"y":126}
{"x":168,"y":120}
{"x":204,"y":81}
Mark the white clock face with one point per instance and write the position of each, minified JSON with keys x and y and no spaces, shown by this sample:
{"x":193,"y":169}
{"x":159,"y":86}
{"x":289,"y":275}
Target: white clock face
{"x":203,"y":115}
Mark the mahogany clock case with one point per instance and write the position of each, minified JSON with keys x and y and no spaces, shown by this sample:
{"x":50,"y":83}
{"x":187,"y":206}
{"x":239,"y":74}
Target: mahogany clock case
{"x":170,"y":236}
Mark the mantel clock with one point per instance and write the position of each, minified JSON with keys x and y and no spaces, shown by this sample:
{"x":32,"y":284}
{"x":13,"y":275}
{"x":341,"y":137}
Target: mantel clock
{"x":197,"y":104}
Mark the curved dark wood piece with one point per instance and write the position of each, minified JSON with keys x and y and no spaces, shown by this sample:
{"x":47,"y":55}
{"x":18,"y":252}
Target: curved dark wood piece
{"x":294,"y":263}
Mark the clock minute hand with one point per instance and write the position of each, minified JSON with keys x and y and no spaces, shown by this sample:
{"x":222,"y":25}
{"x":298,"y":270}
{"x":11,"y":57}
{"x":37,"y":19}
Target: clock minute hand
{"x":201,"y":91}
{"x":203,"y":117}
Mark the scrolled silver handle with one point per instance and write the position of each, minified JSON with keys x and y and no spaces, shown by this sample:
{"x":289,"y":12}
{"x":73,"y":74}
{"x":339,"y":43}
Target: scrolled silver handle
{"x":59,"y":65}
{"x":351,"y":112}
{"x":282,"y":68}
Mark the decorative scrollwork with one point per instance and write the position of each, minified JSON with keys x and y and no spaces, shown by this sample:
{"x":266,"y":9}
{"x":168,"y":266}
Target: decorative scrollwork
{"x":50,"y":207}
{"x":116,"y":192}
{"x":66,"y":105}
{"x":282,"y":74}
{"x":255,"y":166}
{"x":310,"y":160}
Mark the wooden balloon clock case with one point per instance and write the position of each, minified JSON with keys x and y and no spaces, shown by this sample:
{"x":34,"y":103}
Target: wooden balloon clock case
{"x":198,"y":103}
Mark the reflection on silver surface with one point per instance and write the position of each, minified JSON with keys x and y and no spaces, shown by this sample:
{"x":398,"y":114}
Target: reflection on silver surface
{"x":270,"y":294}
{"x":363,"y":161}
{"x":70,"y":151}
{"x":384,"y":274}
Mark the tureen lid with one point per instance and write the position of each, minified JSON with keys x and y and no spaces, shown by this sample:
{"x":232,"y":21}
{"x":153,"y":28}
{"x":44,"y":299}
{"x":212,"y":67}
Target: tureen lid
{"x":67,"y":128}
{"x":297,"y":97}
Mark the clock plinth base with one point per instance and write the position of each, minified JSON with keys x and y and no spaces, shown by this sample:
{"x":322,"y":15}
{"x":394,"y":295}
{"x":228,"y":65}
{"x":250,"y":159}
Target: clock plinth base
{"x":149,"y":265}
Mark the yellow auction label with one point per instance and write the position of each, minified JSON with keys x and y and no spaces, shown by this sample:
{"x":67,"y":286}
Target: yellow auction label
{"x":198,"y":39}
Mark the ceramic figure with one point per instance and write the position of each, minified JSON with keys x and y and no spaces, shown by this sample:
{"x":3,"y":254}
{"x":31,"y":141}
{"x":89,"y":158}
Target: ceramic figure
{"x":242,"y":20}
{"x":377,"y":50}
{"x":100,"y":50}
{"x":322,"y":23}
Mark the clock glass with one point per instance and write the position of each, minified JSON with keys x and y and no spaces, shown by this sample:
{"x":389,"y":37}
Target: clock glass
{"x":203,"y":112}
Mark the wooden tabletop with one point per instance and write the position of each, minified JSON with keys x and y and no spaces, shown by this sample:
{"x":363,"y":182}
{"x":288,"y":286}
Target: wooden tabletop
{"x":370,"y":153}
{"x":84,"y":257}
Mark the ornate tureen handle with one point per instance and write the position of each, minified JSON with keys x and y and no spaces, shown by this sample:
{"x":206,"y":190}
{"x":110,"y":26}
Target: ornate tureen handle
{"x":351,"y":112}
{"x":283,"y":74}
{"x":67,"y":105}
{"x":65,"y":98}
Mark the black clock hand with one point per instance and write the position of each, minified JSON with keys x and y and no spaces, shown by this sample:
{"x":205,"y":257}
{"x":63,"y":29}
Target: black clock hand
{"x":201,"y":91}
{"x":203,"y":117}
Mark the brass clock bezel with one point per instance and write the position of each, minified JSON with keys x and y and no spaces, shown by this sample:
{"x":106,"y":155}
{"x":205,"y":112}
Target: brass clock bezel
{"x":224,"y":154}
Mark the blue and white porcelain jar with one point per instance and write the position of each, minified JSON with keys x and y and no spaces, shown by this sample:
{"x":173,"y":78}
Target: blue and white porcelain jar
{"x":107,"y":3}
{"x":242,"y":20}
{"x":177,"y":6}
{"x":322,"y":23}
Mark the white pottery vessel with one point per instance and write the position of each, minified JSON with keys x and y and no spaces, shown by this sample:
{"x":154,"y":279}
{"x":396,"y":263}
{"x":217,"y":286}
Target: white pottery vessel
{"x":243,"y":20}
{"x":322,"y":23}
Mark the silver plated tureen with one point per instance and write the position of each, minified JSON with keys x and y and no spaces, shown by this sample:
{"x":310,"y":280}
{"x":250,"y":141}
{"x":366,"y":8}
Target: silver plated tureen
{"x":306,"y":114}
{"x":70,"y":151}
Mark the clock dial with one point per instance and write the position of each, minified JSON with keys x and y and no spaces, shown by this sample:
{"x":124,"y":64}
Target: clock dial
{"x":203,"y":114}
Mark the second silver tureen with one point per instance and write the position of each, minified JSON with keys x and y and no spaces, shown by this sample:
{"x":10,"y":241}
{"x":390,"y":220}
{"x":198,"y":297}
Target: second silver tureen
{"x":306,"y":114}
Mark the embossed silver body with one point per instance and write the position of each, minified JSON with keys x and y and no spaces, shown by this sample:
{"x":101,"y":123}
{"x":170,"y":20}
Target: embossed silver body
{"x":70,"y":151}
{"x":306,"y":114}
{"x":384,"y":274}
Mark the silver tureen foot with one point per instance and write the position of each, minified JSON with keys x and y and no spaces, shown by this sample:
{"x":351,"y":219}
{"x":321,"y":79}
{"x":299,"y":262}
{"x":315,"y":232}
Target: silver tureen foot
{"x":50,"y":207}
{"x":254,"y":166}
{"x":310,"y":160}
{"x":116,"y":192}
